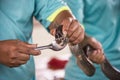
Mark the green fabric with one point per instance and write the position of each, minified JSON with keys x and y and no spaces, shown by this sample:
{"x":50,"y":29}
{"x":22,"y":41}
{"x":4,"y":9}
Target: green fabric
{"x":16,"y":22}
{"x":101,"y":19}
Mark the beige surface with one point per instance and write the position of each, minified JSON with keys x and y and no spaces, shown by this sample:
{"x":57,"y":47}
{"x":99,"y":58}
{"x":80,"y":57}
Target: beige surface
{"x":41,"y":37}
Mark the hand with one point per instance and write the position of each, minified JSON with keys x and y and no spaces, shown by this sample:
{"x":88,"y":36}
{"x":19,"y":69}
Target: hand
{"x":72,"y":29}
{"x":95,"y":55}
{"x":14,"y":53}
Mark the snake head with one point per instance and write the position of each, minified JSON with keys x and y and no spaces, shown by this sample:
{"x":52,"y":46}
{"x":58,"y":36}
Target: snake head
{"x":60,"y":38}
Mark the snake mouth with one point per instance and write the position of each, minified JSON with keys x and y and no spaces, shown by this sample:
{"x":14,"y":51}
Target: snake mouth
{"x":59,"y":46}
{"x":59,"y":43}
{"x":61,"y":39}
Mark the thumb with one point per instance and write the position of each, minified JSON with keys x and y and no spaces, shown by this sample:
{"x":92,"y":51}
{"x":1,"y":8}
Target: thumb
{"x":32,"y":50}
{"x":32,"y":45}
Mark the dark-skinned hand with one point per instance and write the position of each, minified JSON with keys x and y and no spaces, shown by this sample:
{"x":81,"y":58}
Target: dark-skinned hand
{"x":72,"y":29}
{"x":14,"y":53}
{"x":96,"y":55}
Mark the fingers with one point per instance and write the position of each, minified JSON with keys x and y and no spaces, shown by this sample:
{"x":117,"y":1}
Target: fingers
{"x":19,"y":59}
{"x":29,"y":51}
{"x":16,"y":52}
{"x":96,"y":56}
{"x":16,"y":59}
{"x":28,"y":48}
{"x":23,"y":53}
{"x":75,"y":33}
{"x":66,"y":23}
{"x":23,"y":57}
{"x":74,"y":30}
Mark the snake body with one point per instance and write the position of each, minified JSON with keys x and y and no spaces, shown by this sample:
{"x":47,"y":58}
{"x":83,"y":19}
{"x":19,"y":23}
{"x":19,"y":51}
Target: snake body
{"x":87,"y":66}
{"x":111,"y":72}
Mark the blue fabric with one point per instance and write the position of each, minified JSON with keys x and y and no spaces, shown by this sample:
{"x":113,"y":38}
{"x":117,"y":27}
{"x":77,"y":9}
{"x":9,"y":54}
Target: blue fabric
{"x":16,"y":22}
{"x":101,"y":19}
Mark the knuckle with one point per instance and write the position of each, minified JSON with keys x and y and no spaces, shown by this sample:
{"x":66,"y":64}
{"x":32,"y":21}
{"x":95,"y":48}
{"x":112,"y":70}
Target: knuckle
{"x":81,"y":38}
{"x":28,"y":57}
{"x":73,"y":38}
{"x":11,"y":51}
{"x":70,"y":30}
{"x":78,"y":40}
{"x":11,"y":61}
{"x":75,"y":22}
{"x":17,"y":42}
{"x":13,"y":56}
{"x":20,"y":43}
{"x":28,"y":50}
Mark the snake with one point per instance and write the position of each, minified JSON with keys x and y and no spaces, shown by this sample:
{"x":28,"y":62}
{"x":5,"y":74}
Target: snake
{"x":80,"y":51}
